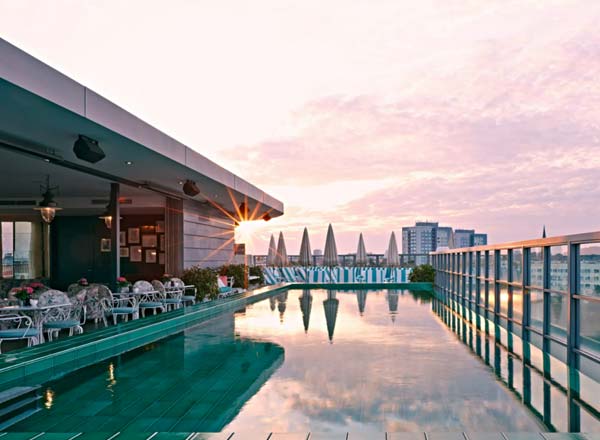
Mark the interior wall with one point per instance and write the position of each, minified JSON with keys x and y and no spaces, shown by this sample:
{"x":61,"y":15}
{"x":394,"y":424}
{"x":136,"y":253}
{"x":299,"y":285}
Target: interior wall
{"x":208,"y":236}
{"x":75,"y":251}
{"x":147,"y":225}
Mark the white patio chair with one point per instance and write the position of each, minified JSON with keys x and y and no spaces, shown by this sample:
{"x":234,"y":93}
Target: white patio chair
{"x":171,"y":298}
{"x":179,"y":284}
{"x":121,"y":305}
{"x":16,"y":326}
{"x":149,"y":298}
{"x":66,"y":315}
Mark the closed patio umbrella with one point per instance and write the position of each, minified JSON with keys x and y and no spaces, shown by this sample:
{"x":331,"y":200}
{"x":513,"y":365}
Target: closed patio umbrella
{"x":330,"y":255}
{"x":272,"y":254}
{"x":306,"y":306}
{"x":305,"y":258}
{"x":282,"y":258}
{"x":361,"y":252}
{"x":392,"y":252}
{"x":331,"y":305}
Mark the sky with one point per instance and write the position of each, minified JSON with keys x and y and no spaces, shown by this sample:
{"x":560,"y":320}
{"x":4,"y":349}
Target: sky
{"x":369,"y":115}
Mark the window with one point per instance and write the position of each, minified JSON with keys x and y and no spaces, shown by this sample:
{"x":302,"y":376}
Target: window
{"x":21,"y":250}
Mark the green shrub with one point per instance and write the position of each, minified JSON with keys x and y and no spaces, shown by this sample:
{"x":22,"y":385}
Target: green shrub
{"x":204,"y":279}
{"x":256,"y":271}
{"x":239,"y":272}
{"x":425,"y":273}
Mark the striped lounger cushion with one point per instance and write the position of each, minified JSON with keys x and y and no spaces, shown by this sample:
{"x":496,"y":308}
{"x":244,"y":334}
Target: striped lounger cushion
{"x":269,"y":276}
{"x":288,"y":274}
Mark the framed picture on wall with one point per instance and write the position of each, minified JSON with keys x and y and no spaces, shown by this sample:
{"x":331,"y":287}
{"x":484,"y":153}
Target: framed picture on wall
{"x":151,"y":256}
{"x":135,"y":254}
{"x":105,"y":245}
{"x":122,"y":238}
{"x":161,"y":242}
{"x":160,"y":227}
{"x":161,"y":258}
{"x":133,"y":235}
{"x":149,"y":241}
{"x":124,"y":252}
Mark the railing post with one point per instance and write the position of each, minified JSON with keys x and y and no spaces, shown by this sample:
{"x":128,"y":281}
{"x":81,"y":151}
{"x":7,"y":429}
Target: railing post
{"x":573,"y":329}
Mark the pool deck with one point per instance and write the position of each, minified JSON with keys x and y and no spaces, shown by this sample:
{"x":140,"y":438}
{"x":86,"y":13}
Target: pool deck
{"x":41,"y":363}
{"x":300,"y":436}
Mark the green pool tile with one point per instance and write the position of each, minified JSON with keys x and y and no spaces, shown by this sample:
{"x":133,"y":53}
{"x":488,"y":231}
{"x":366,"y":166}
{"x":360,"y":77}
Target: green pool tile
{"x":56,"y":436}
{"x":592,"y":435}
{"x":171,"y":436}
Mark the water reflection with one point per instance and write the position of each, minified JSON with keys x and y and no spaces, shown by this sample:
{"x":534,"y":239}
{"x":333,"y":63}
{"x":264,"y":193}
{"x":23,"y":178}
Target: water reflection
{"x":379,"y":375}
{"x":305,"y":306}
{"x":562,"y":399}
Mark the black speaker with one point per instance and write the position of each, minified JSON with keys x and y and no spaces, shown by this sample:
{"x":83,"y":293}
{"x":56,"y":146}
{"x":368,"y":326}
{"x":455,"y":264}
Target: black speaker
{"x":190,"y":188}
{"x":88,"y":149}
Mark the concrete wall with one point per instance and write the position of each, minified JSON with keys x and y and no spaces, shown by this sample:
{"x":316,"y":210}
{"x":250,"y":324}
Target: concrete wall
{"x":208,"y":236}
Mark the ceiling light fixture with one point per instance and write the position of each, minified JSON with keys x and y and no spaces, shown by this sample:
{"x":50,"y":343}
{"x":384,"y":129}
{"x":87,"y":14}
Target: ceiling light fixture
{"x":48,"y":206}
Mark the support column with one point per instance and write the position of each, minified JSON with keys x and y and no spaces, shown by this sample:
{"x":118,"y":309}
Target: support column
{"x":115,"y":212}
{"x":174,"y":237}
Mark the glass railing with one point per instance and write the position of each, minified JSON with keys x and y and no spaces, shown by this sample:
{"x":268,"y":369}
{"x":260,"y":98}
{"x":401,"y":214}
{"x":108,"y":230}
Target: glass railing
{"x":544,"y":293}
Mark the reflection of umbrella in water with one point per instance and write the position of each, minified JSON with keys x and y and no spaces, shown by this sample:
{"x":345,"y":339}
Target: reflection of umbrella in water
{"x":282,"y":258}
{"x":281,"y":304}
{"x":361,"y":252}
{"x":273,"y":303}
{"x":361,"y":296}
{"x":305,"y":306}
{"x":392,"y":299}
{"x":305,"y":257}
{"x":331,"y":305}
{"x":330,"y":254}
{"x":272,"y":255}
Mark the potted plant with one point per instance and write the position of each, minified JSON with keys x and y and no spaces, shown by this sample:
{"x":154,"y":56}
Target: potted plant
{"x":83,"y":282}
{"x":23,"y":294}
{"x":38,"y":288}
{"x":123,"y":284}
{"x":166,"y":277}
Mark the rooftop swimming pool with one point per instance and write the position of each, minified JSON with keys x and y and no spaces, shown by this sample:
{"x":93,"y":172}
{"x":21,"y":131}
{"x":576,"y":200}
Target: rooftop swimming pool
{"x":361,"y":361}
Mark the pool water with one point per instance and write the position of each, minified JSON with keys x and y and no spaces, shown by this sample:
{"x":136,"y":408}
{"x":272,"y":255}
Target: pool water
{"x":305,"y":360}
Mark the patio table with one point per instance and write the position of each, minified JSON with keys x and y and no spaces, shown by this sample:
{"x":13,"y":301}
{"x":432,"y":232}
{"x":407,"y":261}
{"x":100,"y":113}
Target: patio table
{"x":35,"y":312}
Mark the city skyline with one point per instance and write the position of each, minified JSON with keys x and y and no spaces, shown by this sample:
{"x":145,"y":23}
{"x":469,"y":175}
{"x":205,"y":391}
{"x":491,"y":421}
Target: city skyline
{"x":444,"y":110}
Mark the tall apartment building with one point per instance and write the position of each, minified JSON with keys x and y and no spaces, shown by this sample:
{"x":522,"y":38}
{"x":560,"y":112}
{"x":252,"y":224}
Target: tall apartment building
{"x":425,"y":237}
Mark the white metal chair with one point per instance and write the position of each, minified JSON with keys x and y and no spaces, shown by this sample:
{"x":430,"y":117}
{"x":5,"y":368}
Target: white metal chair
{"x":149,"y":298}
{"x":179,"y":284}
{"x":66,"y":315}
{"x":121,"y":305}
{"x":15,"y":326}
{"x":171,"y":298}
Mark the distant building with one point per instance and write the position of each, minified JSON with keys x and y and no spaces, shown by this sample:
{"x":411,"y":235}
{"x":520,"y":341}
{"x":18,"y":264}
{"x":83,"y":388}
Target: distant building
{"x":479,"y":239}
{"x":425,"y":237}
{"x":444,"y":237}
{"x":317,"y":252}
{"x":463,"y":238}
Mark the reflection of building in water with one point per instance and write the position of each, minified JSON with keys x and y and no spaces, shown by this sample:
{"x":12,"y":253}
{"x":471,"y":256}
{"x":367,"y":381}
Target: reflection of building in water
{"x":331,"y":305}
{"x":281,"y":304}
{"x":361,"y":296}
{"x":273,"y":303}
{"x":305,"y":307}
{"x":392,"y":300}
